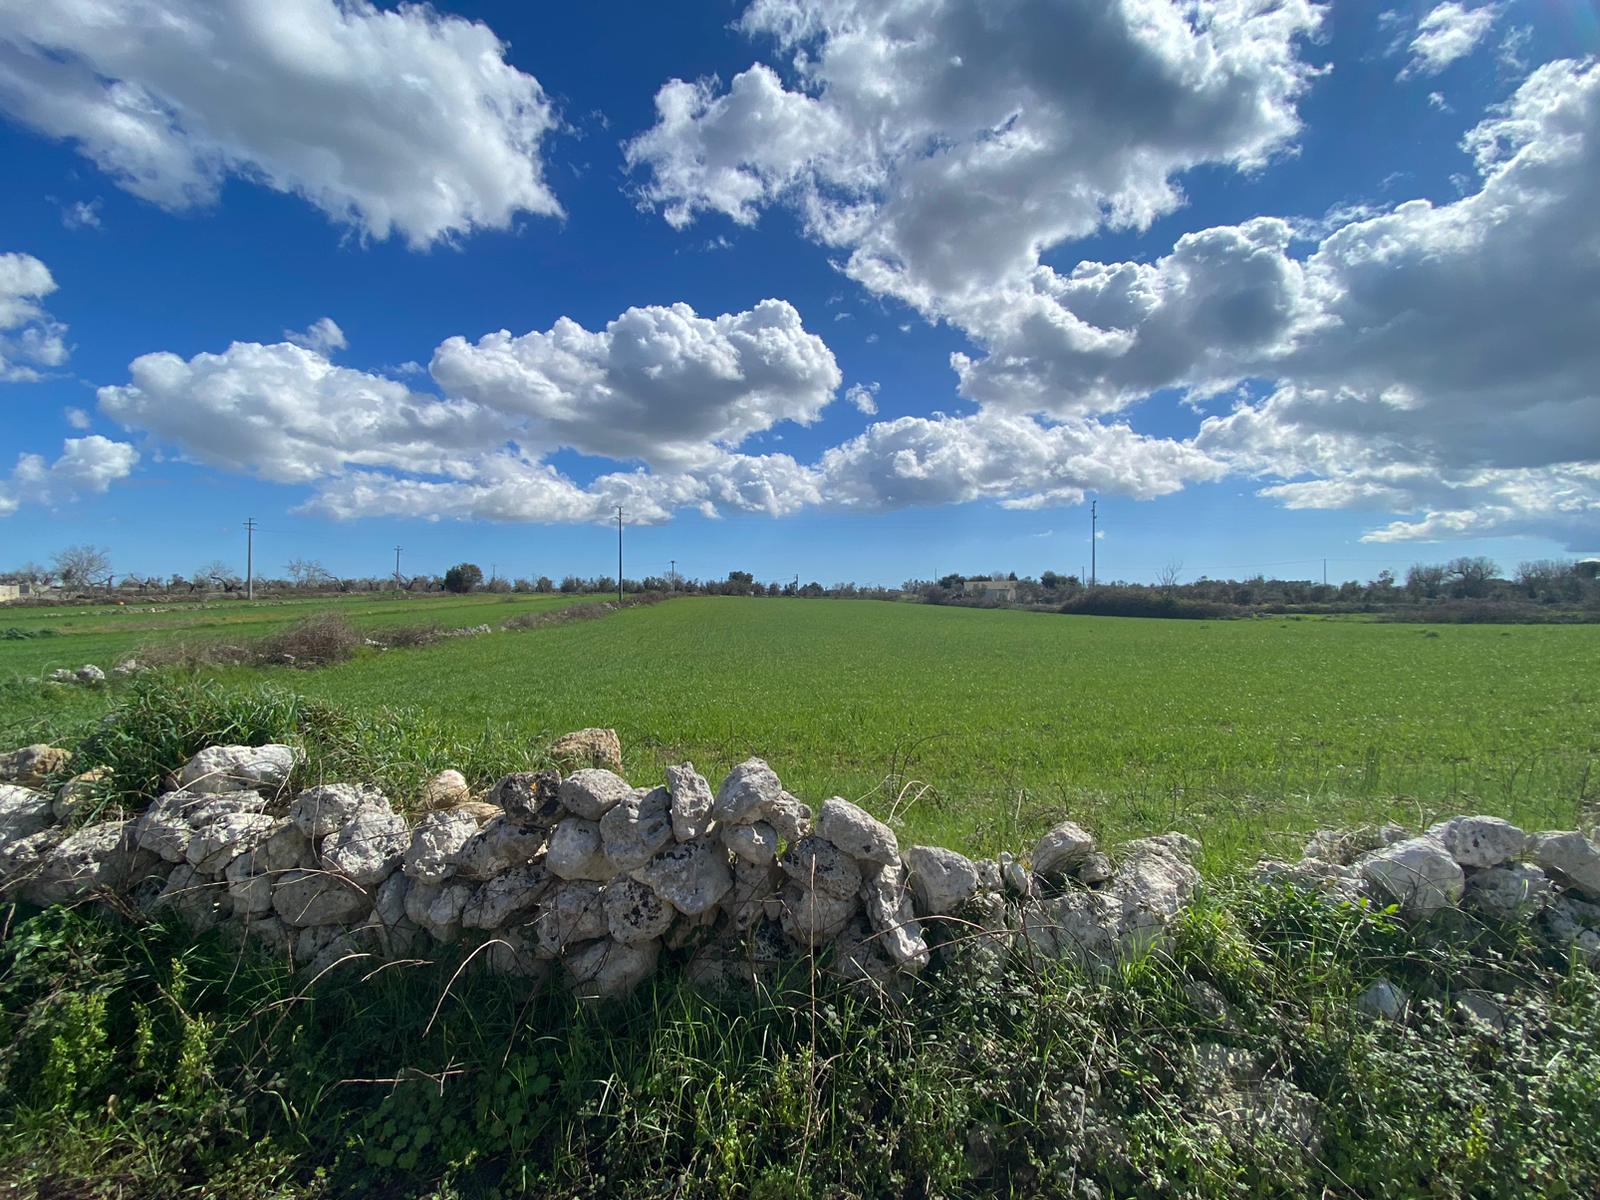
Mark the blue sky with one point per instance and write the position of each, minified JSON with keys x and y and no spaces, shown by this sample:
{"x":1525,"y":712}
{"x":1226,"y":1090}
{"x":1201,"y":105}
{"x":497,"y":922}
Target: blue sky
{"x":1272,"y":283}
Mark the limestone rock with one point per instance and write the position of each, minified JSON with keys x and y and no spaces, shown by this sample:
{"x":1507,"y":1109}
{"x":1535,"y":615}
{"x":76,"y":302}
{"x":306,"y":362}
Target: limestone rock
{"x":576,"y":852}
{"x":531,"y":796}
{"x":90,"y":675}
{"x":507,"y":899}
{"x":1014,"y":879}
{"x":692,"y":876}
{"x":1335,"y":880}
{"x":892,"y":916}
{"x":435,"y":842}
{"x":389,"y":903}
{"x":23,"y":812}
{"x":323,"y":810}
{"x":510,"y":954}
{"x":20,"y":858}
{"x":304,"y":897}
{"x":1479,"y":841}
{"x":1076,"y":925}
{"x":753,"y":843}
{"x":1383,"y":1000}
{"x":745,"y":793}
{"x":1418,"y":874}
{"x":447,"y":789}
{"x":199,"y":903}
{"x":588,"y":748}
{"x":249,"y":889}
{"x":691,"y":802}
{"x":637,"y":827}
{"x":1514,"y":892}
{"x":369,"y":847}
{"x":32,"y":766}
{"x":1345,"y":846}
{"x":78,"y":793}
{"x":1097,"y":868}
{"x":815,"y":862}
{"x":789,"y":816}
{"x":610,"y":968}
{"x":96,"y":856}
{"x":1571,"y":858}
{"x":500,"y":845}
{"x":634,"y":913}
{"x":857,"y":832}
{"x":811,"y":917}
{"x":239,"y":768}
{"x":570,"y":913}
{"x":942,"y":880}
{"x":217,"y":843}
{"x":1154,"y":883}
{"x":1061,"y":851}
{"x":592,"y":792}
{"x":859,"y":956}
{"x":438,"y":907}
{"x":754,"y":884}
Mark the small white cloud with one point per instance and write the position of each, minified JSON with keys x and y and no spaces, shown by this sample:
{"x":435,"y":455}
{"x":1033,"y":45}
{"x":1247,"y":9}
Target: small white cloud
{"x":864,"y":396}
{"x":323,"y":337}
{"x":81,"y":214}
{"x":1437,"y":100}
{"x":30,"y":338}
{"x":1449,"y":32}
{"x":77,"y":418}
{"x":87,"y":466}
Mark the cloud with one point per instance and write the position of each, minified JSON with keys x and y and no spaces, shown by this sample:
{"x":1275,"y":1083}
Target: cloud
{"x":864,"y":396}
{"x":87,"y":466}
{"x":660,"y":384}
{"x":390,"y":121}
{"x":77,"y":418}
{"x":81,"y":214}
{"x":1021,"y":127}
{"x":324,"y":336}
{"x":29,"y":337}
{"x":1448,"y":32}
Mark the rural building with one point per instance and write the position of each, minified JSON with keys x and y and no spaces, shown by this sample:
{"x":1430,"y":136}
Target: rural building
{"x":9,"y":591}
{"x":1003,"y":590}
{"x":1587,"y":568}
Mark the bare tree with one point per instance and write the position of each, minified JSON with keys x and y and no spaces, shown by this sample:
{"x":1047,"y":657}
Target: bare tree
{"x":1470,"y":576}
{"x":308,"y":573}
{"x":1170,"y":574}
{"x":219,"y":575}
{"x":83,"y":566}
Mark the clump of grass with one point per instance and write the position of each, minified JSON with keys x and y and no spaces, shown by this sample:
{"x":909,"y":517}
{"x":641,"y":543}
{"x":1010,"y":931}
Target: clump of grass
{"x":316,"y":641}
{"x":401,"y":637}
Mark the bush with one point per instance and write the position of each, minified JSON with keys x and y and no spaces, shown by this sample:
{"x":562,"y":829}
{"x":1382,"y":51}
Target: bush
{"x":463,"y":577}
{"x":1140,"y":602}
{"x":404,"y":637}
{"x":313,"y":642}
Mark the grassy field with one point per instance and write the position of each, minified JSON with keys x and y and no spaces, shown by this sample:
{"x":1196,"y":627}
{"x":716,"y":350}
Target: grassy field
{"x":976,"y":729}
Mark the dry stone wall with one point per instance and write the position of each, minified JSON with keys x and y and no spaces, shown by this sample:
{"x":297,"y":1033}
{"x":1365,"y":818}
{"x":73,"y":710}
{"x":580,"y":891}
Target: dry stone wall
{"x":585,"y":879}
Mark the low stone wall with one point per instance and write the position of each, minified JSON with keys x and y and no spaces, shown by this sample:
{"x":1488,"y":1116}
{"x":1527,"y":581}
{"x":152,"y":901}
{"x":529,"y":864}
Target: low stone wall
{"x":610,"y":882}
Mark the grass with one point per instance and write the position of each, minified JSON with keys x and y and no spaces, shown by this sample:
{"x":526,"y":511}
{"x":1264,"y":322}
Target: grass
{"x":976,"y":729}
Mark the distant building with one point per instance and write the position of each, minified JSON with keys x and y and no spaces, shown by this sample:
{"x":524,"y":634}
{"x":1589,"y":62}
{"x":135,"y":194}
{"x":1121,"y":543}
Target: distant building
{"x":1002,"y":590}
{"x":1587,"y":568}
{"x":10,"y":591}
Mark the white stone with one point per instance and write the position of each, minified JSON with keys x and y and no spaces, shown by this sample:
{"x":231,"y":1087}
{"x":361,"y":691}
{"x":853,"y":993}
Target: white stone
{"x":1062,"y":850}
{"x":1571,"y":858}
{"x":593,"y":792}
{"x":692,"y":876}
{"x":1153,"y":883}
{"x":942,"y":880}
{"x":892,"y":916}
{"x":1479,"y":841}
{"x":304,"y":897}
{"x":634,"y":913}
{"x":814,"y":862}
{"x":497,"y":847}
{"x":369,"y":847}
{"x":570,"y":913}
{"x":789,"y":816}
{"x":77,"y":794}
{"x":217,"y":843}
{"x":1418,"y":874}
{"x":754,"y":843}
{"x":746,"y":791}
{"x":636,"y":828}
{"x":239,"y":768}
{"x":576,"y":852}
{"x":437,"y":907}
{"x":90,"y":674}
{"x":857,"y":832}
{"x":323,"y":810}
{"x":754,"y":884}
{"x":1514,"y":892}
{"x":610,"y":968}
{"x":811,"y":916}
{"x":389,"y":904}
{"x":20,"y":858}
{"x":691,"y":802}
{"x":250,"y":891}
{"x":1078,"y":925}
{"x":199,"y":902}
{"x":446,"y":790}
{"x":436,"y":840}
{"x":23,"y":812}
{"x":507,"y":899}
{"x":1383,"y":1000}
{"x":97,"y":856}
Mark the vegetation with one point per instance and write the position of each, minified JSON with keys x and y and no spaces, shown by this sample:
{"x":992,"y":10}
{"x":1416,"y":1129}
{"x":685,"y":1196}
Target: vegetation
{"x":463,"y":577}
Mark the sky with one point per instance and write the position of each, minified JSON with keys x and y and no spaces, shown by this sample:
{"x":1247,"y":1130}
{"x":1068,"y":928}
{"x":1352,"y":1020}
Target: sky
{"x":867,"y":290}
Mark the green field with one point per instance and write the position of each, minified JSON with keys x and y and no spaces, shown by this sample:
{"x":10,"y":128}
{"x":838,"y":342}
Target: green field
{"x":976,"y":729}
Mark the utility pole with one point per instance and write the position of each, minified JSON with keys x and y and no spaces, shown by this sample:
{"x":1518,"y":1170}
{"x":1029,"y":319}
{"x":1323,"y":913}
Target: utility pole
{"x":672,"y":577}
{"x":397,"y":586}
{"x":1094,"y":537}
{"x":250,"y":558}
{"x":1324,"y":572}
{"x":619,"y":554}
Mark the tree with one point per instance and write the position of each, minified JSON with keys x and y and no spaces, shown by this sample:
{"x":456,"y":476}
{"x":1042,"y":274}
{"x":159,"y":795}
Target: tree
{"x":740,"y":583}
{"x":463,"y":577}
{"x":308,"y":573}
{"x":1470,"y":576}
{"x":83,"y":566}
{"x":1423,"y":581}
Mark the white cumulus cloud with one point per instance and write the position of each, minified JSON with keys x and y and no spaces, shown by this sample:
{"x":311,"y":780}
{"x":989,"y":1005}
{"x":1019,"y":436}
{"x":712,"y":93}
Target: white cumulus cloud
{"x":400,"y":120}
{"x":30,"y":337}
{"x":87,"y":466}
{"x":323,"y":336}
{"x":1449,"y":31}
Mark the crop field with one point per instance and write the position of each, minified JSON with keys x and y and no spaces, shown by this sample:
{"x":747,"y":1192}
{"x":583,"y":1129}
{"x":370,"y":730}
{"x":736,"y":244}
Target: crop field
{"x":973,"y":729}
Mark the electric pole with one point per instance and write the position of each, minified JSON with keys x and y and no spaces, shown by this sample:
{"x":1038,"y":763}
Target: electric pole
{"x":397,"y":586}
{"x":250,"y":559}
{"x":1094,"y":537}
{"x":672,"y":577}
{"x":619,"y":554}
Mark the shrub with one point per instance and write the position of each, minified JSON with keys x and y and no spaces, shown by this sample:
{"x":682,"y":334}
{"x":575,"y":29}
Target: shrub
{"x":463,"y":577}
{"x":403,"y":637}
{"x":314,"y":642}
{"x":1140,"y":602}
